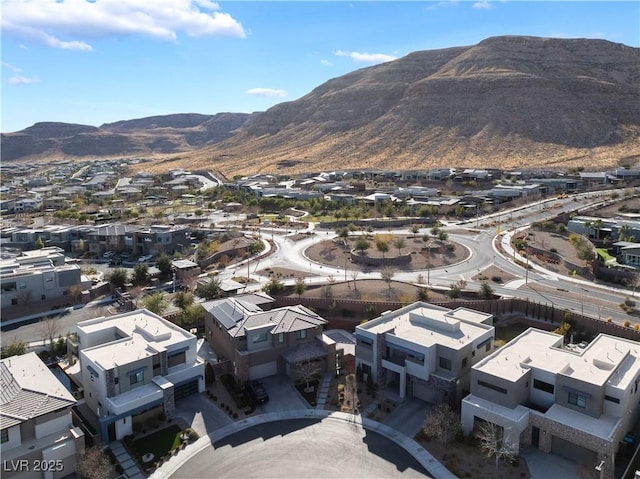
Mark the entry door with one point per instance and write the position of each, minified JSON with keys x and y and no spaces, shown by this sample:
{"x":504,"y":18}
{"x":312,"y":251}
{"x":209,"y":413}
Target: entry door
{"x":535,"y":437}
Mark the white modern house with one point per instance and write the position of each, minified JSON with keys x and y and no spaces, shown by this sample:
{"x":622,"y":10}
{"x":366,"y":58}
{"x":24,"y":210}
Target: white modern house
{"x":134,"y":365}
{"x":35,"y":421}
{"x":578,"y":402}
{"x":424,"y":350}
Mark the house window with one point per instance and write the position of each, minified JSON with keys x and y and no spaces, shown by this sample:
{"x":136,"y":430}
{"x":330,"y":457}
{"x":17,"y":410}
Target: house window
{"x":136,"y":378}
{"x":281,"y":337}
{"x":445,"y":363}
{"x":492,"y":386}
{"x":543,"y":386}
{"x":259,"y":338}
{"x":465,"y":362}
{"x":612,"y":399}
{"x":4,"y":436}
{"x":302,"y":334}
{"x":176,"y":358}
{"x":578,"y":400}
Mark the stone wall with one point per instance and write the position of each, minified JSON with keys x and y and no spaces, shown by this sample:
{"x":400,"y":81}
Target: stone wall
{"x":361,"y":258}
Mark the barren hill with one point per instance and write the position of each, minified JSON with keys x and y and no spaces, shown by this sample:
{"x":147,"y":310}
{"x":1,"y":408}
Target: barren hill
{"x":506,"y":102}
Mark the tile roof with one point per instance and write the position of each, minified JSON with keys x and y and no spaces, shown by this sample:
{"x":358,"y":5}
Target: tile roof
{"x":28,"y":389}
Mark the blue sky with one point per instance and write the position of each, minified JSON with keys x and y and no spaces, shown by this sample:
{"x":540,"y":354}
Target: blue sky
{"x":99,"y":61}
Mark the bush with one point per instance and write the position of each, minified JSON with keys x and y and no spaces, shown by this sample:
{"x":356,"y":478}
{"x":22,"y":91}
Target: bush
{"x":626,"y":323}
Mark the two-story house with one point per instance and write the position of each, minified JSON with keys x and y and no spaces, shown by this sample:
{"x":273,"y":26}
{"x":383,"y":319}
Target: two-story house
{"x":35,"y":421}
{"x":573,"y":401}
{"x":133,"y":365}
{"x":38,"y":279}
{"x":424,"y":350}
{"x":263,"y":343}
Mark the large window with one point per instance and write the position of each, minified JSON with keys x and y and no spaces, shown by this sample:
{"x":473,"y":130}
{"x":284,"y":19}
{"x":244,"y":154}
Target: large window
{"x":578,"y":400}
{"x":259,"y":338}
{"x":302,"y":334}
{"x":543,"y":386}
{"x":492,"y":386}
{"x":177,"y":358}
{"x":445,"y":363}
{"x":136,"y":378}
{"x":5,"y":435}
{"x":612,"y":399}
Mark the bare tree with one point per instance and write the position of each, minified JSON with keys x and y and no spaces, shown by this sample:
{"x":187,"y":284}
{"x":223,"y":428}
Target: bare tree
{"x":494,"y":443}
{"x":94,"y":464}
{"x":49,"y":329}
{"x":306,"y":371}
{"x":442,"y":424}
{"x":387,"y":275}
{"x":354,"y":276}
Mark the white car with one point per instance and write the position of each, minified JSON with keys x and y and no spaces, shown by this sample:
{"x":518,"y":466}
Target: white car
{"x":108,"y":254}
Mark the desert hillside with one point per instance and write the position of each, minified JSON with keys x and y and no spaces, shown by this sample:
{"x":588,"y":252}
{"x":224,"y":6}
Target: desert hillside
{"x":506,"y":102}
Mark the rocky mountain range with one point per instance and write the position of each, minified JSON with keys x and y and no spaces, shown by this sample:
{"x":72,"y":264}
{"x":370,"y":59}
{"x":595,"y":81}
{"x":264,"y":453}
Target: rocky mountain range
{"x":506,"y":102}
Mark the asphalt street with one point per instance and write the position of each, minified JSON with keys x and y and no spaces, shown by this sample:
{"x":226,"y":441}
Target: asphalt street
{"x":300,"y":448}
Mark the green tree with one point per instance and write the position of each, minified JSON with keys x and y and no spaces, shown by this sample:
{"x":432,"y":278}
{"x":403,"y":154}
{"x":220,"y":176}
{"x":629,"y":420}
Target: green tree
{"x":183,"y":300}
{"x":343,"y":233}
{"x":194,"y":313}
{"x":39,"y":243}
{"x":361,"y":244}
{"x":163,"y":263}
{"x":274,"y":286}
{"x":141,"y":273}
{"x":415,"y":229}
{"x":486,"y":291}
{"x":14,"y":348}
{"x":443,"y":235}
{"x":119,"y":277}
{"x":382,"y":246}
{"x":209,"y":289}
{"x":156,"y":303}
{"x":399,"y":243}
{"x":300,"y":286}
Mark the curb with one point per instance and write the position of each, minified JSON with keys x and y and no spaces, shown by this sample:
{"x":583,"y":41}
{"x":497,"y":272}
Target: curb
{"x":426,"y":460}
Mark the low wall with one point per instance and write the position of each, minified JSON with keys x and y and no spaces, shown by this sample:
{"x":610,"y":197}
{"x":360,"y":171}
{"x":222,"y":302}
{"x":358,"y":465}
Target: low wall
{"x":347,"y":314}
{"x":367,"y":260}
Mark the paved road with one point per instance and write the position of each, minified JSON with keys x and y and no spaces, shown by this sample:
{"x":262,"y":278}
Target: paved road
{"x":303,"y":448}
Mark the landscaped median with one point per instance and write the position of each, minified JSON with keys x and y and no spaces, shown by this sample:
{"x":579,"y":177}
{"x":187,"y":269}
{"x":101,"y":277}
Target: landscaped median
{"x":426,"y":460}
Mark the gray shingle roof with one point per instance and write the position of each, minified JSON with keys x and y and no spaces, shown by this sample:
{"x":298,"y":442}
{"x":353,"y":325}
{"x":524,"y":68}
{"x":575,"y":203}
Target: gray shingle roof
{"x":28,"y":389}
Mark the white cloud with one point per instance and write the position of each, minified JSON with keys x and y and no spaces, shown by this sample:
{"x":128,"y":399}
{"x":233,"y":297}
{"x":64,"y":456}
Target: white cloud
{"x":21,"y":80}
{"x":450,"y":3}
{"x":68,"y":24}
{"x":11,"y":67}
{"x":366,"y":57}
{"x":268,"y":92}
{"x":484,"y":4}
{"x":326,"y":62}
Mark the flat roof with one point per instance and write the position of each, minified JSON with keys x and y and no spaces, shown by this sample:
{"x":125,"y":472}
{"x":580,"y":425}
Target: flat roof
{"x":143,"y":334}
{"x":607,"y":359}
{"x":426,"y":324}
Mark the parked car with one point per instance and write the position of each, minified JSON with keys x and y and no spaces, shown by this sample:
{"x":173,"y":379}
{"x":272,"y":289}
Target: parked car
{"x":256,"y":391}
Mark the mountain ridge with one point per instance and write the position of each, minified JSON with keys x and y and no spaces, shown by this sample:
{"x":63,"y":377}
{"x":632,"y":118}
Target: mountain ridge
{"x":505,"y":102}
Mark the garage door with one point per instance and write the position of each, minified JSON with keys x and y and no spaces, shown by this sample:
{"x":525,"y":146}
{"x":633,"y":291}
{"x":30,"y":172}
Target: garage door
{"x":186,"y":389}
{"x":263,"y":370}
{"x":573,"y":452}
{"x":422,"y":391}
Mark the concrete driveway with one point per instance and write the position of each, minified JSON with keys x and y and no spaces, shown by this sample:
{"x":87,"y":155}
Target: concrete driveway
{"x":282,"y":395}
{"x":408,"y":417}
{"x":202,"y":414}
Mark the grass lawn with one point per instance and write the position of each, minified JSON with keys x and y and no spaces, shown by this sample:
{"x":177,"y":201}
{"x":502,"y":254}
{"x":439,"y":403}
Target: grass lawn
{"x":606,"y":257}
{"x":159,"y":443}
